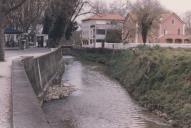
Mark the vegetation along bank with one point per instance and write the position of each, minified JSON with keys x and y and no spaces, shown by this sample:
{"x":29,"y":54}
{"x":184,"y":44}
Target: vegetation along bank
{"x":158,"y":78}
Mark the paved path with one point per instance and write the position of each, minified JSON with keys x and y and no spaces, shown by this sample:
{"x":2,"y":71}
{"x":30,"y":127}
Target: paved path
{"x":5,"y":82}
{"x":5,"y":95}
{"x":27,"y":112}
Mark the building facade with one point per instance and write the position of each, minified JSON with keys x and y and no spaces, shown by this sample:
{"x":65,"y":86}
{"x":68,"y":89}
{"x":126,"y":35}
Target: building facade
{"x":169,"y":29}
{"x":12,"y":37}
{"x":94,"y":28}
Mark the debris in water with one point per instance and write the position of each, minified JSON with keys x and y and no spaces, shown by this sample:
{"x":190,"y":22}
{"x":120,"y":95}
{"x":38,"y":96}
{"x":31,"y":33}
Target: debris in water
{"x":57,"y":92}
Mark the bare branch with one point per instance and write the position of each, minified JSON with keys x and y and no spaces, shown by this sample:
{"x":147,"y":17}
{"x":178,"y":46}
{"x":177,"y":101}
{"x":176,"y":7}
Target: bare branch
{"x":15,"y":7}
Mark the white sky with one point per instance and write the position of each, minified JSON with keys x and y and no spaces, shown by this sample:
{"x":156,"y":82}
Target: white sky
{"x":178,"y":6}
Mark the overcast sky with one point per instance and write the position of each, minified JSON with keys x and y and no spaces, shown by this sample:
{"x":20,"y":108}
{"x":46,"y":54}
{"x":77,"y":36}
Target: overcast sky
{"x":178,"y":6}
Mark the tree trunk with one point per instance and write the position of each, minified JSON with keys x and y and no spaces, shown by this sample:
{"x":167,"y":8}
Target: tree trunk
{"x":144,"y":36}
{"x":2,"y":52}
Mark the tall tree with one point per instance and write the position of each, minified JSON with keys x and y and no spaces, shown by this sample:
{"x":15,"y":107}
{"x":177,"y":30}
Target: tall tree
{"x":29,"y":15}
{"x":114,"y":36}
{"x":120,"y":7}
{"x":146,"y":11}
{"x":99,"y":6}
{"x":187,"y":20}
{"x":6,"y":7}
{"x":60,"y":18}
{"x":117,"y":6}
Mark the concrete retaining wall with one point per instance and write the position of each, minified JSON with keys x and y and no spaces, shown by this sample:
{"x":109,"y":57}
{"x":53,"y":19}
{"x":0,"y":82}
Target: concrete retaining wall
{"x":44,"y":70}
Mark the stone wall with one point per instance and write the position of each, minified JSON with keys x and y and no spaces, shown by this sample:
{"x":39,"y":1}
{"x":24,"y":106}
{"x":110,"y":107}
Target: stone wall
{"x":43,"y":71}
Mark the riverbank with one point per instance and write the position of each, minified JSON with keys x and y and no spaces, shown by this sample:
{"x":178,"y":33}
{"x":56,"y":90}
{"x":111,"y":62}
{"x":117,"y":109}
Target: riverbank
{"x":98,"y":102}
{"x":158,"y":78}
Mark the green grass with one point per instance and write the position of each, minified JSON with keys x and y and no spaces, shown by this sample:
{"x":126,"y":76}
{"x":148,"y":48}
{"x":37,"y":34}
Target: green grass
{"x":158,"y":78}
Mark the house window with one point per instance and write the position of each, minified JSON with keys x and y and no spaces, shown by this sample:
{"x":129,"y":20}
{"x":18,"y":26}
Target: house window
{"x":91,"y":41}
{"x":179,"y":31}
{"x":172,"y":21}
{"x":100,"y":40}
{"x":100,"y":31}
{"x":113,"y":22}
{"x":165,"y":32}
{"x":92,"y":26}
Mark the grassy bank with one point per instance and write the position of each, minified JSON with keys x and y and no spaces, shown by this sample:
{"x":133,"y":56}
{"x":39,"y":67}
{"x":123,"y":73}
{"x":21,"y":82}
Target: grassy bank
{"x":159,"y":79}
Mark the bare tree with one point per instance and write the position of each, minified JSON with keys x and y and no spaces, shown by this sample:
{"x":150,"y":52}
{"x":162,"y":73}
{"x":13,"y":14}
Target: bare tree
{"x":117,"y":6}
{"x":29,"y":15}
{"x":146,"y":11}
{"x":6,"y":7}
{"x":120,"y":7}
{"x":187,"y":20}
{"x":99,"y":7}
{"x":62,"y":14}
{"x":129,"y":29}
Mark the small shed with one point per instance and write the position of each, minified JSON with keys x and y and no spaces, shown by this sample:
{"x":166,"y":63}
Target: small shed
{"x":12,"y":37}
{"x":42,"y":40}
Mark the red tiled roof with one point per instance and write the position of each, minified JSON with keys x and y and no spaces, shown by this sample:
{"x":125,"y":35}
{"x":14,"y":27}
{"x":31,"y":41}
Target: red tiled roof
{"x":116,"y":17}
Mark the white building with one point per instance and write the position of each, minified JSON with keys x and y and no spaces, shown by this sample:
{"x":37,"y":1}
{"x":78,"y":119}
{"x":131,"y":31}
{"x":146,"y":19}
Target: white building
{"x":94,"y":29}
{"x":41,"y":39}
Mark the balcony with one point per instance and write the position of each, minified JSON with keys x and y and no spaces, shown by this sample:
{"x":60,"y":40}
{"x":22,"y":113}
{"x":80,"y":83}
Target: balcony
{"x":100,"y":36}
{"x":108,"y":26}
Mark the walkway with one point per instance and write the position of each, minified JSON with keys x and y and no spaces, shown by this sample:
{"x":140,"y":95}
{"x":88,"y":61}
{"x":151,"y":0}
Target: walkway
{"x":5,"y":83}
{"x":5,"y":94}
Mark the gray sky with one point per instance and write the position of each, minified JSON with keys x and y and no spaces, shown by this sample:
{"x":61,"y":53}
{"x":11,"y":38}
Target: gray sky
{"x":178,"y":6}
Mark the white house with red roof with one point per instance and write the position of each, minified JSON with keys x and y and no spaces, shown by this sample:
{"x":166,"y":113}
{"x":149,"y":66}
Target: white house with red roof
{"x":94,"y":28}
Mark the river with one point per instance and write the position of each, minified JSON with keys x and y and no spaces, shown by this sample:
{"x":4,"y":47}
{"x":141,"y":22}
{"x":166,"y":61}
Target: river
{"x":99,"y":102}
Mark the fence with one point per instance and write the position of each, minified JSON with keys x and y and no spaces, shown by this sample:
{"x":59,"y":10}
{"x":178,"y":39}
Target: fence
{"x":131,"y":45}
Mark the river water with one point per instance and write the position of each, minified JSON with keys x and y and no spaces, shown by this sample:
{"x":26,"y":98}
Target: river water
{"x":99,"y":102}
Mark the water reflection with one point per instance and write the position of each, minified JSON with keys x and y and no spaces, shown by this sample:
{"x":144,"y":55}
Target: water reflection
{"x":99,"y":103}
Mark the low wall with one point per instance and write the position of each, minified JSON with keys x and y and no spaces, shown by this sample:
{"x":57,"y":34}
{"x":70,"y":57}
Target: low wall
{"x":67,"y":51}
{"x":132,"y":45}
{"x":44,"y":70}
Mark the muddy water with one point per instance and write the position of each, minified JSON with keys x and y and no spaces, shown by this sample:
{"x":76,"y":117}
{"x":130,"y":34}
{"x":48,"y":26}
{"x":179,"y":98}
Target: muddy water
{"x":99,"y":102}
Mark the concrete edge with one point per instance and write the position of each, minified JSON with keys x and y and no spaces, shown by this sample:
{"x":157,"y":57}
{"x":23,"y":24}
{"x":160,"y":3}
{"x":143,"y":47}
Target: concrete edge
{"x":50,"y":82}
{"x":26,"y":109}
{"x":11,"y":120}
